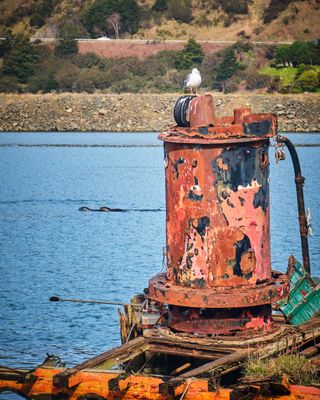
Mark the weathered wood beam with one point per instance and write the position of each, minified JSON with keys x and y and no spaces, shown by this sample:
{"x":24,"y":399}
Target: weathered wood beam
{"x":224,"y":362}
{"x":12,"y":374}
{"x":108,"y":359}
{"x":180,"y":369}
{"x":176,"y":343}
{"x":183,"y":351}
{"x":309,"y":352}
{"x":221,"y":363}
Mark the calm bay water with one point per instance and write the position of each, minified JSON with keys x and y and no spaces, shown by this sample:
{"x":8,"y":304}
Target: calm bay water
{"x":48,"y":247}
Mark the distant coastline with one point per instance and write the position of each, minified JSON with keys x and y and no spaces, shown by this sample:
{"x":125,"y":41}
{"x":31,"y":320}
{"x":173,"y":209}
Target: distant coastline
{"x":141,"y":112}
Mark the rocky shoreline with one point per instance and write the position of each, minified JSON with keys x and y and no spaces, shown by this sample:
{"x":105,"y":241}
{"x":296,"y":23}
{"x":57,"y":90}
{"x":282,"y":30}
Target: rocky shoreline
{"x":141,"y":112}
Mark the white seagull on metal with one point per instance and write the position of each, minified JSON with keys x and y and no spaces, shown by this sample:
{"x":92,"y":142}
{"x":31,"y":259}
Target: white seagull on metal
{"x":193,"y":80}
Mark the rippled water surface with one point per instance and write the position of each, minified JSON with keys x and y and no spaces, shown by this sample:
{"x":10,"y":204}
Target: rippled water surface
{"x":48,"y":247}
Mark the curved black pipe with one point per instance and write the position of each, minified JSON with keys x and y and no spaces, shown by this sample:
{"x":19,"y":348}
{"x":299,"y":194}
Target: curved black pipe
{"x":299,"y":180}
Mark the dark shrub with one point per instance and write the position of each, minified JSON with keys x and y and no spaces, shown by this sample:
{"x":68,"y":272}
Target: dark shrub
{"x":180,"y":10}
{"x":274,"y":85}
{"x":45,"y":79}
{"x":234,"y":6}
{"x":86,"y":60}
{"x":95,"y":17}
{"x":37,"y":20}
{"x":270,"y":51}
{"x":41,"y":12}
{"x":66,"y":76}
{"x":256,"y":81}
{"x":90,"y":79}
{"x":243,"y":46}
{"x":231,"y":85}
{"x":8,"y":84}
{"x":273,"y":10}
{"x":286,"y":20}
{"x":229,"y":20}
{"x":160,"y":5}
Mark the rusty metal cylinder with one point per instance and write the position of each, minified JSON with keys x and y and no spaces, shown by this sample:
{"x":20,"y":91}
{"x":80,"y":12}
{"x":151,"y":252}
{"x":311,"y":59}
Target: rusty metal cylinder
{"x":218,"y":228}
{"x":218,"y":275}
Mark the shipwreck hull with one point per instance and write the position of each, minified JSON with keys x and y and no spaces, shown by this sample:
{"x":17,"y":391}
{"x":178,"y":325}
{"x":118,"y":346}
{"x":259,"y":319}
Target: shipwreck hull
{"x":162,"y":365}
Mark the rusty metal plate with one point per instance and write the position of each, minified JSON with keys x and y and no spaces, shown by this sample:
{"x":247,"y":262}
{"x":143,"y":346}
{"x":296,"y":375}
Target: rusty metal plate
{"x":243,"y":125}
{"x":163,"y":291}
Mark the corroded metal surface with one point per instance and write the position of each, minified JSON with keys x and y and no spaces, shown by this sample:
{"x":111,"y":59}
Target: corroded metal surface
{"x":164,"y":291}
{"x":218,"y":225}
{"x":218,"y":222}
{"x":201,"y":111}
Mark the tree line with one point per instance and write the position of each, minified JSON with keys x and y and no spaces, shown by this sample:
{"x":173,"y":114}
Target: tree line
{"x":297,"y":53}
{"x":27,"y":67}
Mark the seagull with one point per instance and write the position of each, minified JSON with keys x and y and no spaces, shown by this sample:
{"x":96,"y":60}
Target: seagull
{"x":193,"y":80}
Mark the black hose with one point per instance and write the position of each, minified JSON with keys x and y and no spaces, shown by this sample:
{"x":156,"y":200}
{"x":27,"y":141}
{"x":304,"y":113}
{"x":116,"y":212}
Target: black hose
{"x":180,"y":111}
{"x":299,"y":180}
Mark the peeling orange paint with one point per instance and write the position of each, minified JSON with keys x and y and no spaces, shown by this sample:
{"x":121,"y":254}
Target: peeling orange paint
{"x":218,"y":218}
{"x":96,"y":384}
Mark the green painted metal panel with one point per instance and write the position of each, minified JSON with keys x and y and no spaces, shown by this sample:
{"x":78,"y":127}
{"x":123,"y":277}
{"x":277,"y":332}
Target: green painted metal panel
{"x":303,"y":302}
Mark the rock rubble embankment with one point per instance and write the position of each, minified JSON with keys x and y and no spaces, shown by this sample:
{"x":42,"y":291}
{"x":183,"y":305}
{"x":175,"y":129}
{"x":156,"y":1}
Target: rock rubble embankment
{"x":142,"y":112}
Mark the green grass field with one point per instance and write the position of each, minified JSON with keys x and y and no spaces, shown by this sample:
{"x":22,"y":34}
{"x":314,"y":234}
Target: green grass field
{"x":287,"y":74}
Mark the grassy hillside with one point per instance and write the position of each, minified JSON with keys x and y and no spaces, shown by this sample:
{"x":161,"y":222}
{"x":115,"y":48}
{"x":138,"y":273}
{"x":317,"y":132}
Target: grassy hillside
{"x":169,"y":19}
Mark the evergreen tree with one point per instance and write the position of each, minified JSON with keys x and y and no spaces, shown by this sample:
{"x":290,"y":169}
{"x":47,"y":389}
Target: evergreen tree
{"x":130,"y":15}
{"x":68,"y":44}
{"x":20,"y":58}
{"x":227,"y":67}
{"x":191,"y":55}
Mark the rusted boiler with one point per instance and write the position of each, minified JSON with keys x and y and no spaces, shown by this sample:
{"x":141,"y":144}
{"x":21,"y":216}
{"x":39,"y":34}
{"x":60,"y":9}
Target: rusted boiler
{"x":218,"y":277}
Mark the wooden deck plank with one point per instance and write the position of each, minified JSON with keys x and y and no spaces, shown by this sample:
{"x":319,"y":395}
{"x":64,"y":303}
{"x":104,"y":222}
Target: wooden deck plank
{"x":225,"y":362}
{"x":110,"y":358}
{"x":184,"y":352}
